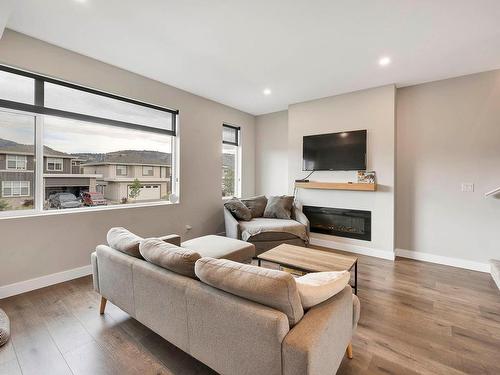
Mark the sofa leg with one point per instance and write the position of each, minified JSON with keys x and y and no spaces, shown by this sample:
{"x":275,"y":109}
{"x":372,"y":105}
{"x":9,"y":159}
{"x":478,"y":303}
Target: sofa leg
{"x":103,"y":305}
{"x":349,"y":351}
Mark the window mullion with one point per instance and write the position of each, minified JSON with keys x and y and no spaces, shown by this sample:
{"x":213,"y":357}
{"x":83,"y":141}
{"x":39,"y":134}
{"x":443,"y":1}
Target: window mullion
{"x":38,"y":189}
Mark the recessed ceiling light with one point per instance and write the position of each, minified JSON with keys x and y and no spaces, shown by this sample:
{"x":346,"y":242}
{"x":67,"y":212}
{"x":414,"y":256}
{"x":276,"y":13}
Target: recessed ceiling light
{"x":267,"y":92}
{"x":384,"y":61}
{"x":81,"y":1}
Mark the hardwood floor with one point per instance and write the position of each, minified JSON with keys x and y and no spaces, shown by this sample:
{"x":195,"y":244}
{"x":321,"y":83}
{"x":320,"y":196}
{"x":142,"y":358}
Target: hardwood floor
{"x":416,"y":318}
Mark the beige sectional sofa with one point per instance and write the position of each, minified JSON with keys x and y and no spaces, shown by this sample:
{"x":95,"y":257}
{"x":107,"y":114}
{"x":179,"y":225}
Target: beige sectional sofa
{"x":229,"y":333}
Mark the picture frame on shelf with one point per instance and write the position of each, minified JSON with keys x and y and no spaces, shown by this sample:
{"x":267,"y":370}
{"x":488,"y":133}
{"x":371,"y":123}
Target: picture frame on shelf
{"x":366,"y":177}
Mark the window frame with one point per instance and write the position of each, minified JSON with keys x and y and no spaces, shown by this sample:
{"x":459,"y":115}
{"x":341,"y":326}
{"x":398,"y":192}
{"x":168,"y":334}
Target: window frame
{"x":20,"y":188}
{"x":237,"y":162}
{"x":118,"y":166}
{"x":152,"y":171}
{"x":16,"y":162}
{"x":38,"y":110}
{"x":55,"y":161}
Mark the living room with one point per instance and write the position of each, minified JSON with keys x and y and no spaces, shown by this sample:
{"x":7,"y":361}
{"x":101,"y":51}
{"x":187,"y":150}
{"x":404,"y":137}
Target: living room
{"x":323,"y":171}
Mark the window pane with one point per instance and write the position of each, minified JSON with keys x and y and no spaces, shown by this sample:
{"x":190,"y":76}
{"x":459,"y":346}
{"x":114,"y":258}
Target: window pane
{"x":17,"y":88}
{"x":68,"y":99}
{"x":229,"y":155}
{"x":110,"y":160}
{"x":17,"y":175}
{"x":229,"y":134}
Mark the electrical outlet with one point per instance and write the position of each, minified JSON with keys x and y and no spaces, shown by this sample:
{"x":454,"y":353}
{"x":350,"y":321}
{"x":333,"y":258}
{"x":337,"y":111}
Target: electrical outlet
{"x":188,"y":227}
{"x":467,"y":187}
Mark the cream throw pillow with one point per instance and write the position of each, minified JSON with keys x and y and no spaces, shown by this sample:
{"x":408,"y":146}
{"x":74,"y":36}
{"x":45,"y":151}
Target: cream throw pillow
{"x":317,"y":287}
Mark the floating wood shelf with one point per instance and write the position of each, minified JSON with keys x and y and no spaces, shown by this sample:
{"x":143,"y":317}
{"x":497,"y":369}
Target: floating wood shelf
{"x":336,"y":186}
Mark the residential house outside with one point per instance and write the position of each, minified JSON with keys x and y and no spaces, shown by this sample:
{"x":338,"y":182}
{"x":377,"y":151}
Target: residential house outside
{"x":17,"y":173}
{"x":120,"y":169}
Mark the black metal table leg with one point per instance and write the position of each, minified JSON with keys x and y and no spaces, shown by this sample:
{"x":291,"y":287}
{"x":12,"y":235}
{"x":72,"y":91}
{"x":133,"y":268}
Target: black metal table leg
{"x":258,"y":262}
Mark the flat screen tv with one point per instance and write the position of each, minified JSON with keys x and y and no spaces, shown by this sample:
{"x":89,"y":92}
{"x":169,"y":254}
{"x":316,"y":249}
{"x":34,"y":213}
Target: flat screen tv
{"x":344,"y":151}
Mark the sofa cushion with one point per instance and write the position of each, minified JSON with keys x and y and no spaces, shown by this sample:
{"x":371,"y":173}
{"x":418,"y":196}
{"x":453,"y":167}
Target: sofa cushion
{"x":125,"y":241}
{"x":238,"y":209}
{"x":316,"y":287}
{"x":221,"y":248}
{"x":265,"y":225}
{"x":279,"y":207}
{"x":268,"y":287}
{"x":257,"y":205}
{"x":169,"y":256}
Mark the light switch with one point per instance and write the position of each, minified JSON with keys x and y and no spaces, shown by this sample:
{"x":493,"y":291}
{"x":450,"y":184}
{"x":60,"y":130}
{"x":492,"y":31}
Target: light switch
{"x":467,"y":187}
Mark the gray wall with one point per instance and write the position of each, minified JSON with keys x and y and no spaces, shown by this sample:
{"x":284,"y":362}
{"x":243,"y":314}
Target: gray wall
{"x":36,"y":246}
{"x":448,"y":132}
{"x":271,"y":153}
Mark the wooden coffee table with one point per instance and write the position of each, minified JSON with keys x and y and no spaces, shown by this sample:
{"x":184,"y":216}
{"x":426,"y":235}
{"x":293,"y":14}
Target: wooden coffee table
{"x":311,"y":260}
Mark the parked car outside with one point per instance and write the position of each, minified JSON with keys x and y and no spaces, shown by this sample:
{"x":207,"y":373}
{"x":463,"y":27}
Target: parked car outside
{"x":64,"y":200}
{"x":93,"y":199}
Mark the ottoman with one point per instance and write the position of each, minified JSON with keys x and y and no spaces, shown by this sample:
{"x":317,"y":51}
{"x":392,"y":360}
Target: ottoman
{"x":221,"y":248}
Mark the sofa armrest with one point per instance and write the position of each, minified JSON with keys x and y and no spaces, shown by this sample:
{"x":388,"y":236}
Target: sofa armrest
{"x":174,"y":239}
{"x":95,"y":272}
{"x":317,"y":343}
{"x":301,"y":218}
{"x":232,"y":225}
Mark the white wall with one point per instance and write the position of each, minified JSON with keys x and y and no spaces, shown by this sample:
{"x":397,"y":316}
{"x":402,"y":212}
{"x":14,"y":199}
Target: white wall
{"x":373,"y":110}
{"x":448,"y":132}
{"x":271,"y":153}
{"x":35,"y":246}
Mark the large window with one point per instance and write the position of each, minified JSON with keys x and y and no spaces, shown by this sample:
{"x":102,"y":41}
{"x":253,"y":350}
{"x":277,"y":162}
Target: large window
{"x":230,"y":161}
{"x":86,"y":139}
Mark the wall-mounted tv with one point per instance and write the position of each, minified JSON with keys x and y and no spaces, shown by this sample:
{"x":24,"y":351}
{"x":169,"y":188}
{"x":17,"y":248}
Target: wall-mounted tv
{"x":345,"y":151}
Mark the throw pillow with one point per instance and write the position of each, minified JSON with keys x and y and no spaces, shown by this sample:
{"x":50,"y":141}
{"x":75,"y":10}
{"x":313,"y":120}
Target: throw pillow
{"x":125,"y":241}
{"x":257,"y":205}
{"x":169,"y":256}
{"x":268,"y":287}
{"x":238,"y":209}
{"x":279,"y":207}
{"x":317,"y":287}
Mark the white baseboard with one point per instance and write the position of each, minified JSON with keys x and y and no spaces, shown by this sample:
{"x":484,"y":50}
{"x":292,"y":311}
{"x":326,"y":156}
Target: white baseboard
{"x":43,"y":281}
{"x":447,"y":261}
{"x":353,"y":248}
{"x":495,"y":274}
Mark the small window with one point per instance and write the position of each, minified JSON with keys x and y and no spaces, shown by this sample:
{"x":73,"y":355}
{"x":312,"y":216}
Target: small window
{"x":121,"y":170}
{"x":54,"y":164}
{"x":18,"y":162}
{"x":147,"y":170}
{"x":15,"y":189}
{"x":230,"y":161}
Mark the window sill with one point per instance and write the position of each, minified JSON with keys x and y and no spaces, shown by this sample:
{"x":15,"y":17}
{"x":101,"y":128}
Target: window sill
{"x":32,"y":213}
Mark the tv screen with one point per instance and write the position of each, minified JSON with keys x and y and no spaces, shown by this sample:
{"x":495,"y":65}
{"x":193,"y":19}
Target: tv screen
{"x":344,"y":151}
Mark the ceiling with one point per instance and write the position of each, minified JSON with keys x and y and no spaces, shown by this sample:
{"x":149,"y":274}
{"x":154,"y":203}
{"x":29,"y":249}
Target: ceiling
{"x":231,"y":50}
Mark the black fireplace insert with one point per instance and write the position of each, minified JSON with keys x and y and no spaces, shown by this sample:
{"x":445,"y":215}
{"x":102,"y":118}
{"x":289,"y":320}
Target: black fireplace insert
{"x":340,"y":222}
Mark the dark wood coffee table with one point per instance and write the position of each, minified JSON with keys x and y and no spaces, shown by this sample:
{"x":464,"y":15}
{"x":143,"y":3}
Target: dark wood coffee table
{"x":311,"y":260}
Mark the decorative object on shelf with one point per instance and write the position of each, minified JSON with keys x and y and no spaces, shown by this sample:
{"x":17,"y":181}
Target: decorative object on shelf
{"x":336,"y":186}
{"x":365,"y":177}
{"x":4,"y":328}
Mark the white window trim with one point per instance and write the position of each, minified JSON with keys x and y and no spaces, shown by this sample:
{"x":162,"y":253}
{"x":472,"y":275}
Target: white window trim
{"x":12,"y":183}
{"x":18,"y":160}
{"x":119,"y":174}
{"x":152,"y":171}
{"x":55,"y":161}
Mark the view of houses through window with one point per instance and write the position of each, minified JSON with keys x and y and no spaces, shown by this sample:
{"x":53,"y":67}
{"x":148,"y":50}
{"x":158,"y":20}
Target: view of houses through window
{"x":85,"y":163}
{"x":230,"y":161}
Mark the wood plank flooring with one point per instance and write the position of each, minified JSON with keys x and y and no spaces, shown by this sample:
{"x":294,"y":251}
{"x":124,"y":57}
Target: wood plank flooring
{"x":416,"y":318}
